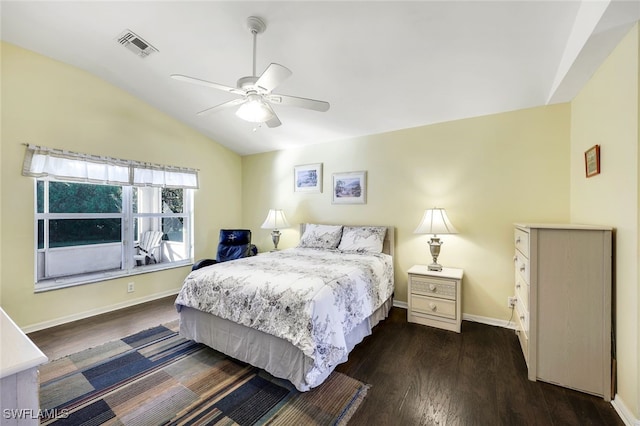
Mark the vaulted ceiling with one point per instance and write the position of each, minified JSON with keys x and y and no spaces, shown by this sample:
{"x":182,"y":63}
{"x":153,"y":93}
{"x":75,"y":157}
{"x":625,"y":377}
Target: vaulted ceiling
{"x":382,"y":65}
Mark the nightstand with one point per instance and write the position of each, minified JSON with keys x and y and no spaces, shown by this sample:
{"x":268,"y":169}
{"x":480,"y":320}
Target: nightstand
{"x":435,"y":297}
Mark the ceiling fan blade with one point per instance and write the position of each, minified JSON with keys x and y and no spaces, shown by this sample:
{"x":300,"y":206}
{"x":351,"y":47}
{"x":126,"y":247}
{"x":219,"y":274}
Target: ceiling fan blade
{"x":273,"y":76}
{"x":221,"y":107}
{"x":206,"y":83}
{"x":274,"y":122}
{"x":294,"y":101}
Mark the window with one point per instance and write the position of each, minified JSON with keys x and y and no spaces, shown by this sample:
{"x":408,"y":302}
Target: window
{"x":87,"y":232}
{"x":98,"y":217}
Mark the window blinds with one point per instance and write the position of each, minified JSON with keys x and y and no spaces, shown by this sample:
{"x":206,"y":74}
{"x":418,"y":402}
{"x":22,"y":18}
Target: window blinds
{"x":68,"y":165}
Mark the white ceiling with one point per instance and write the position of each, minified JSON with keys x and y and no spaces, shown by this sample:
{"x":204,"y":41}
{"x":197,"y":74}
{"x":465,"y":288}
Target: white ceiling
{"x":382,"y":65}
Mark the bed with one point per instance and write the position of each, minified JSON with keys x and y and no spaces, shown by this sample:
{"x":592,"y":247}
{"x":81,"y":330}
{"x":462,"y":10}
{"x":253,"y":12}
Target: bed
{"x":298,"y":312}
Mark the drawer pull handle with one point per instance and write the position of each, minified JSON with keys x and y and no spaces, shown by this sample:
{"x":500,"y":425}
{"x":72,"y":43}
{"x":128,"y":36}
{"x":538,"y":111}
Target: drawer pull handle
{"x":517,"y":285}
{"x":433,"y":307}
{"x":432,"y":287}
{"x":515,"y":258}
{"x":518,"y":240}
{"x":522,"y":317}
{"x":522,"y":268}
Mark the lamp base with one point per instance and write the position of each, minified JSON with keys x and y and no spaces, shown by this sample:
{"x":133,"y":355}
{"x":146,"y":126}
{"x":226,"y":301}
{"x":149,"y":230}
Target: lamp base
{"x":434,"y":247}
{"x":434,"y":267}
{"x":275,"y":237}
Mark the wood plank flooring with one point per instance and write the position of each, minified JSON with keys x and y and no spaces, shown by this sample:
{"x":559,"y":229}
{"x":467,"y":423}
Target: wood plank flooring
{"x":418,"y":375}
{"x":63,"y":340}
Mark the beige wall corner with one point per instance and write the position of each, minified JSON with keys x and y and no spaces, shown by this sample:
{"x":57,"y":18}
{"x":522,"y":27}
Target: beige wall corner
{"x":606,"y":113}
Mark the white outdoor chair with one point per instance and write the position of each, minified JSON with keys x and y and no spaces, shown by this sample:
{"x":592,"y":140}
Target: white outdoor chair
{"x":149,"y":242}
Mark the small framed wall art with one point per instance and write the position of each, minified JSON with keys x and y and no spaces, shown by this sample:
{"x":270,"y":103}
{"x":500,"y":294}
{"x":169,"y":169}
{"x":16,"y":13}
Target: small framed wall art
{"x":592,"y":161}
{"x":308,"y":178}
{"x":350,"y":188}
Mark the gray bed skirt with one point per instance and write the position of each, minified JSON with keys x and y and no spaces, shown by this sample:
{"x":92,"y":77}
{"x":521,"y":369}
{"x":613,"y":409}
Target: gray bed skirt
{"x":273,"y":354}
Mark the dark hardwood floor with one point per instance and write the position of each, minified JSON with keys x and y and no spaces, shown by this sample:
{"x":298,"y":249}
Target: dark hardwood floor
{"x":418,"y":375}
{"x":426,"y":376}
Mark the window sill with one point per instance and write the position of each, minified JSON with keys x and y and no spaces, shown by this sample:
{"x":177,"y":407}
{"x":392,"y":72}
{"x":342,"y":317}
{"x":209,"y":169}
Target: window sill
{"x":66,"y":282}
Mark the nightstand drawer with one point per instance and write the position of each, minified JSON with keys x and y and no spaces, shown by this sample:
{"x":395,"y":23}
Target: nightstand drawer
{"x":433,"y":306}
{"x":435,"y":287}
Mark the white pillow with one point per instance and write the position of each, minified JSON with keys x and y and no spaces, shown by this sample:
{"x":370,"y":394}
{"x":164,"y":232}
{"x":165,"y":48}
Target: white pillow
{"x":367,"y":239}
{"x":321,"y":236}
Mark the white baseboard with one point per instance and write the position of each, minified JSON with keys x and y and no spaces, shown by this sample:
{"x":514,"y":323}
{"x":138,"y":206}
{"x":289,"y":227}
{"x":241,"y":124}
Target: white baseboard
{"x":625,"y":414}
{"x":489,"y":321}
{"x":102,"y":310}
{"x":400,"y":304}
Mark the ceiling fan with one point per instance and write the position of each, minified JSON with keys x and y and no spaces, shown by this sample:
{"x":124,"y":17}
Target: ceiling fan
{"x":256,"y":91}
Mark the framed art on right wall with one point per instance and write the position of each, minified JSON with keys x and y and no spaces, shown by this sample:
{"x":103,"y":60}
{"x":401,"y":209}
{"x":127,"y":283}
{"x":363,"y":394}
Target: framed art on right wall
{"x":592,"y":161}
{"x":350,"y":188}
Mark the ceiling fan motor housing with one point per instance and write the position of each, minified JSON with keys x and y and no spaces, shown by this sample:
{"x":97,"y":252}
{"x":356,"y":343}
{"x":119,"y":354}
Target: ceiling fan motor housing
{"x":256,"y":25}
{"x":247,"y":83}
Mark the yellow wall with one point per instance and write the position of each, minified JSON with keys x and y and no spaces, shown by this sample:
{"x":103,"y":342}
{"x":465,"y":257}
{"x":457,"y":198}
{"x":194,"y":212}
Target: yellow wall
{"x":48,"y":103}
{"x":606,"y":113}
{"x":488,"y":172}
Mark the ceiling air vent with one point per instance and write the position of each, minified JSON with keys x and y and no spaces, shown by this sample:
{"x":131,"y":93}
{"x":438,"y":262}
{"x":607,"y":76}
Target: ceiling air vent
{"x":135,"y":44}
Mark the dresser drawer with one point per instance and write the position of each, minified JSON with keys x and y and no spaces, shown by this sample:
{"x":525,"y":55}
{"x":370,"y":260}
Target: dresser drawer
{"x":522,"y":266}
{"x":523,"y":339}
{"x":522,"y":316}
{"x":433,"y":306}
{"x":522,"y":291}
{"x":521,"y":241}
{"x":435,"y":287}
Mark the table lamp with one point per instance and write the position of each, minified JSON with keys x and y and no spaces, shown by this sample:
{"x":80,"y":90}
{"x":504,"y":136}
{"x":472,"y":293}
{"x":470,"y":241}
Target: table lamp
{"x":435,"y":222}
{"x":275,"y":220}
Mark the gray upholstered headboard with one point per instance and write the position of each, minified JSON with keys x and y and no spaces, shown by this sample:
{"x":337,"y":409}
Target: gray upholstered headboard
{"x":388,"y":245}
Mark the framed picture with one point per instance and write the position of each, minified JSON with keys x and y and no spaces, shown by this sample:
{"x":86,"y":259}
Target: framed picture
{"x":308,"y":178}
{"x":592,"y":161}
{"x":350,"y":188}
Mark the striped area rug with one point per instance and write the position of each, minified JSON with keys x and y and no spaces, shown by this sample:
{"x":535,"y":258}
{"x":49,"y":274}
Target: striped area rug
{"x":155,"y":377}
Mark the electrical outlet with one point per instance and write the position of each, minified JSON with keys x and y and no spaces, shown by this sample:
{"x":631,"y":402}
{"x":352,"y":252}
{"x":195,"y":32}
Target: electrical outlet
{"x":511,"y":301}
{"x":130,"y":287}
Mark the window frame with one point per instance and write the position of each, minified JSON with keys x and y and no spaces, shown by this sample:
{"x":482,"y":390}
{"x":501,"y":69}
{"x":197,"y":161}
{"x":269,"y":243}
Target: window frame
{"x":127,"y":240}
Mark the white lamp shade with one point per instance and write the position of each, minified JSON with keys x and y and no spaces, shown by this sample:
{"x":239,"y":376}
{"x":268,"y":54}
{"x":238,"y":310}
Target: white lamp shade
{"x":255,"y":110}
{"x":435,"y":221}
{"x":275,"y":220}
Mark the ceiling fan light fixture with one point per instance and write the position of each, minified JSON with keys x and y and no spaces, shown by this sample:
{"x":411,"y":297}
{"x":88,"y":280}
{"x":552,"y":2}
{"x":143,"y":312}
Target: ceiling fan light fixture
{"x":255,"y":110}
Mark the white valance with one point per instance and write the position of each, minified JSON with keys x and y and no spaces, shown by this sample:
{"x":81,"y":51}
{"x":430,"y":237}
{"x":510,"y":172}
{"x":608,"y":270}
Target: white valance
{"x":67,"y":165}
{"x":145,"y":174}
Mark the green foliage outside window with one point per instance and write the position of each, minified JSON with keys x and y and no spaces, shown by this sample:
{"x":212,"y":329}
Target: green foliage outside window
{"x":65,"y":197}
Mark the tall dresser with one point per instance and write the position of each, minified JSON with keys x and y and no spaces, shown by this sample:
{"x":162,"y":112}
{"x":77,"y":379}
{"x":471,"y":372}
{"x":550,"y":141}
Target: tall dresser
{"x":563,"y":304}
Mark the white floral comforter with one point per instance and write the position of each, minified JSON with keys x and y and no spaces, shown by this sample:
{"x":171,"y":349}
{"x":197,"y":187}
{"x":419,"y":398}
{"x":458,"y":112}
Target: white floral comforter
{"x":309,"y":297}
